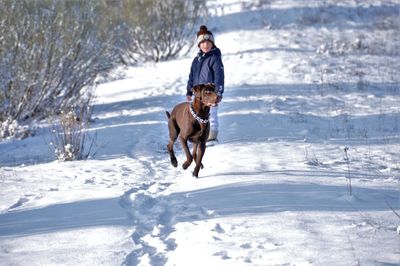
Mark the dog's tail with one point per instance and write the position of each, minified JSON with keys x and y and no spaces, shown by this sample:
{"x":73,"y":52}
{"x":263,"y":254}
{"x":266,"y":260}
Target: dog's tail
{"x":168,"y":114}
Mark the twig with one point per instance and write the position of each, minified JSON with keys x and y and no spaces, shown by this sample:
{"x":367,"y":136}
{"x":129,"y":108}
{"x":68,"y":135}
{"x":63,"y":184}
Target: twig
{"x":387,"y":203}
{"x":348,"y":179}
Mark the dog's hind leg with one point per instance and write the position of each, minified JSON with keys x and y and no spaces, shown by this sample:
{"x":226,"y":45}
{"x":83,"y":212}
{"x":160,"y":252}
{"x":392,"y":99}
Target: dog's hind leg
{"x":170,"y":148}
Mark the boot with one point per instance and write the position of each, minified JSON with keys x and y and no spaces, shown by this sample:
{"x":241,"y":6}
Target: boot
{"x":213,"y":135}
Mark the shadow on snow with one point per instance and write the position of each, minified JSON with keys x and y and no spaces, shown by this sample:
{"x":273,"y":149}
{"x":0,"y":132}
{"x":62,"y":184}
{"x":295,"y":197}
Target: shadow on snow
{"x":233,"y":199}
{"x":328,"y":16}
{"x":259,"y":198}
{"x":61,"y":217}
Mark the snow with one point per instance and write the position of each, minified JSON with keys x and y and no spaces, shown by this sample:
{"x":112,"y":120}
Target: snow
{"x":299,"y":90}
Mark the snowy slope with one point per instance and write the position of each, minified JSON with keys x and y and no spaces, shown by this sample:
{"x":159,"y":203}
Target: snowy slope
{"x":304,"y":81}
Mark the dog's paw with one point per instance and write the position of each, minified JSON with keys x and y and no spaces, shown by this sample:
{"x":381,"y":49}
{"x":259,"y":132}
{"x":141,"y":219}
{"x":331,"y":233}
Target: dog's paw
{"x":186,"y":164}
{"x":174,"y":162}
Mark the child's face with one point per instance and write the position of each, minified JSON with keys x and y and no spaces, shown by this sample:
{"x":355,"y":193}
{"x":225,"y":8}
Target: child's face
{"x":205,"y":46}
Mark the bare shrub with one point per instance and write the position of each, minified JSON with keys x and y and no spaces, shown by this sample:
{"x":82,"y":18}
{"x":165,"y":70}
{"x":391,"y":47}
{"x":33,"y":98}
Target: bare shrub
{"x":157,"y":30}
{"x":52,"y":52}
{"x":254,"y":4}
{"x":13,"y":128}
{"x":311,"y":159}
{"x":348,"y":177}
{"x":69,"y":136}
{"x":50,"y":55}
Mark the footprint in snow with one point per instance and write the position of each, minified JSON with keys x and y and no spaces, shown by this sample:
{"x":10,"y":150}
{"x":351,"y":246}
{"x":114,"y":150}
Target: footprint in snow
{"x":223,"y":254}
{"x":206,"y":212}
{"x":90,"y":180}
{"x":248,"y":260}
{"x":171,"y":244}
{"x":19,"y":203}
{"x":246,"y":246}
{"x":218,"y":228}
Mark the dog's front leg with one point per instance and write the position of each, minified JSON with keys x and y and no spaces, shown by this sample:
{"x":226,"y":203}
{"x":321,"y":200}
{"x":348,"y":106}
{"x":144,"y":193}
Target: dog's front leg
{"x":189,"y":157}
{"x":199,"y":157}
{"x":194,"y":153}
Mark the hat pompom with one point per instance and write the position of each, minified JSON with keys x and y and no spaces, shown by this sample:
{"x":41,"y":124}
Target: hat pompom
{"x":204,"y":34}
{"x":203,"y":30}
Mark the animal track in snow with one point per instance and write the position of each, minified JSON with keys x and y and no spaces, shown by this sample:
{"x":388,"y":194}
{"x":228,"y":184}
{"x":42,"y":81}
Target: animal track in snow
{"x":223,"y":254}
{"x":218,"y":228}
{"x":246,"y":246}
{"x":19,"y":203}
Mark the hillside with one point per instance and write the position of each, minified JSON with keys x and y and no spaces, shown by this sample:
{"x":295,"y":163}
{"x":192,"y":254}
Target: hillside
{"x":311,"y":103}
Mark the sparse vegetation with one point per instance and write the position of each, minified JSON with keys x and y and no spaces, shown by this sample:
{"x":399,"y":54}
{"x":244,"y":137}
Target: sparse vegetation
{"x":348,"y":177}
{"x":51,"y":55}
{"x":52,"y":52}
{"x":157,"y":30}
{"x":69,"y":134}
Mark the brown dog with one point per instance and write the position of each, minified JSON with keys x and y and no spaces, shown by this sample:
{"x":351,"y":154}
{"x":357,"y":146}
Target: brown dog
{"x":190,"y":122}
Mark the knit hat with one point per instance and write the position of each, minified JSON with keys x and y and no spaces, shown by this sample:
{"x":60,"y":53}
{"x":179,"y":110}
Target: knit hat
{"x":204,"y":35}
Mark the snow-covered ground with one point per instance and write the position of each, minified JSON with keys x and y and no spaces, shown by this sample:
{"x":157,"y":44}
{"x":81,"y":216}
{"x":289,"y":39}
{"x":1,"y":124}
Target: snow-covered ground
{"x":305,"y":80}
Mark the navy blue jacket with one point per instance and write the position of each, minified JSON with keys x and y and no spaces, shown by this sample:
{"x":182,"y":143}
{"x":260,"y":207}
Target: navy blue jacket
{"x":207,"y":68}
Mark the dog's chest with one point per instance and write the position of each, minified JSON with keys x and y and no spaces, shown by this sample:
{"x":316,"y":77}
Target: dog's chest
{"x":199,"y":133}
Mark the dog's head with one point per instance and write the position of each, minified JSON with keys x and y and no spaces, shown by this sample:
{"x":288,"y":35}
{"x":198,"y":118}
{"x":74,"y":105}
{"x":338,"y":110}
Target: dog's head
{"x":206,"y":93}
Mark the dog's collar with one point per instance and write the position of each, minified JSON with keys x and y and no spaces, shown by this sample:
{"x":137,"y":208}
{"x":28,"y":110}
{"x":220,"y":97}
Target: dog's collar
{"x":199,"y":119}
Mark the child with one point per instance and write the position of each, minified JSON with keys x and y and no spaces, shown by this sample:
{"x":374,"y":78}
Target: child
{"x":207,"y":67}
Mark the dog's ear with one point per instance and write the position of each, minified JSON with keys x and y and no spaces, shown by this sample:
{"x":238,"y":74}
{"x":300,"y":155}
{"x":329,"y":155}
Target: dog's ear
{"x":197,"y":90}
{"x":210,"y":87}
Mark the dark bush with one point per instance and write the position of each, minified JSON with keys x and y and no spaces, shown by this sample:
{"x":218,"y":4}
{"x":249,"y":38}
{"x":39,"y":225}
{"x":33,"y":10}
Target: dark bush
{"x":158,"y":30}
{"x":52,"y":52}
{"x":50,"y":55}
